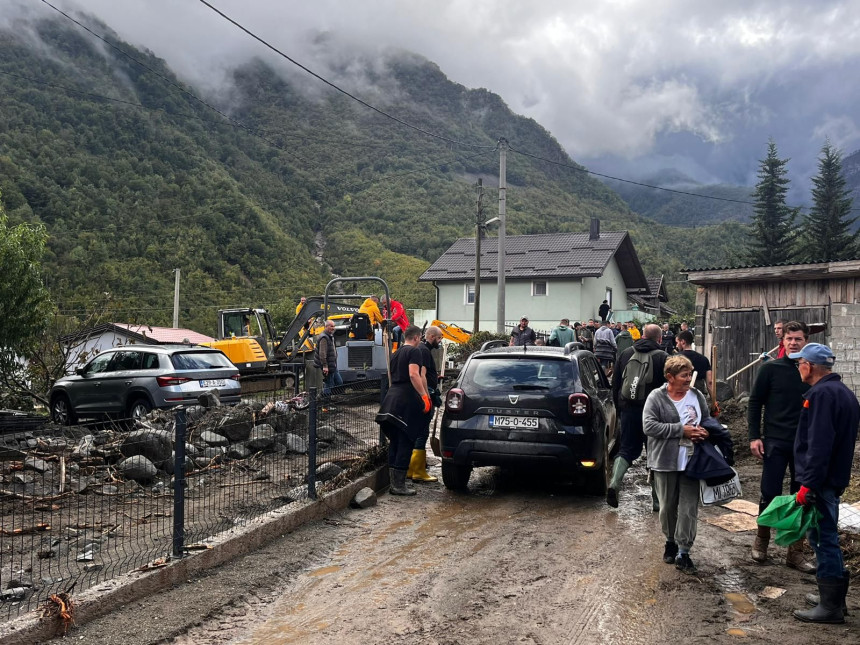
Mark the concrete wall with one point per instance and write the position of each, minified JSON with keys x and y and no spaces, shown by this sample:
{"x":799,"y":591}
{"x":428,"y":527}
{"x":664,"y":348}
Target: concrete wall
{"x":562,"y":301}
{"x":844,"y":341}
{"x":594,"y":292}
{"x":576,"y":299}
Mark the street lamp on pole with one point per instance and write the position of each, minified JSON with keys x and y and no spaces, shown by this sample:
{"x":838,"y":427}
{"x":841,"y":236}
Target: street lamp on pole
{"x":500,"y":305}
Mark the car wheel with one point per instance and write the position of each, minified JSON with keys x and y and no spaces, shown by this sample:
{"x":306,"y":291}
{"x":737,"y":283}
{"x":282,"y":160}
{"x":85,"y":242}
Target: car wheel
{"x":597,"y":481}
{"x":138,"y":409}
{"x":62,"y":411}
{"x":454,"y":476}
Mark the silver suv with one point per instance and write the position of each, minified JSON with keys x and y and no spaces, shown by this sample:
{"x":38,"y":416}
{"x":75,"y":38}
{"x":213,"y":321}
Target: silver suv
{"x":128,"y":382}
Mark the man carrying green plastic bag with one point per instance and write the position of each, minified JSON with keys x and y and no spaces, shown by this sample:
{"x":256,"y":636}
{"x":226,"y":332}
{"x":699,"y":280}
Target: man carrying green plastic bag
{"x":791,"y":521}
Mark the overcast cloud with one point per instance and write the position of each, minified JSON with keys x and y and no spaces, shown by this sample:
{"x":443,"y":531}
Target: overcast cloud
{"x":626,"y":86}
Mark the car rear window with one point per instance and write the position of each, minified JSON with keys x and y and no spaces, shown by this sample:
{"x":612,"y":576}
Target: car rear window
{"x":511,"y":373}
{"x":199,"y":360}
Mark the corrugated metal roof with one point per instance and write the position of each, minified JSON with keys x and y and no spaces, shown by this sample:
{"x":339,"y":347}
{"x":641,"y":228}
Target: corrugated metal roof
{"x":166,"y":335}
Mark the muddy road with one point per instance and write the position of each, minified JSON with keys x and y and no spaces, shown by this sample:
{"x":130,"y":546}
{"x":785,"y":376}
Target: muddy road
{"x":513,"y":561}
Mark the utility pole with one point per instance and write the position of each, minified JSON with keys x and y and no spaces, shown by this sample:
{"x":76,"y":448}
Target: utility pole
{"x":500,"y":305}
{"x":479,"y":230}
{"x":176,"y":273}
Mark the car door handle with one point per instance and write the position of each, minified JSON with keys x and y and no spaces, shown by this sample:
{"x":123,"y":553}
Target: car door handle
{"x":128,"y":382}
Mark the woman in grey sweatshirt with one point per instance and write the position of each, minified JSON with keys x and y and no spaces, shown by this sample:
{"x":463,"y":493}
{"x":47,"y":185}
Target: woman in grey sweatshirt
{"x":672,"y":421}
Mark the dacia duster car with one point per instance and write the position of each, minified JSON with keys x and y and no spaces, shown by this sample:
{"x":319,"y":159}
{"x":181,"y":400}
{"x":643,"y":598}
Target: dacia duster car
{"x":546,"y":407}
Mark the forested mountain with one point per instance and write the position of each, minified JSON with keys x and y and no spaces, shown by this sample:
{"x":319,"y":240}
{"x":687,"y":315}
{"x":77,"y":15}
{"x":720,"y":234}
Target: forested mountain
{"x":682,"y":207}
{"x":133,"y":177}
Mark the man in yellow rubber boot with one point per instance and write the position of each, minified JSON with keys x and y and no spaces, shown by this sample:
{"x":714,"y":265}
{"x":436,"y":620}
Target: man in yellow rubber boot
{"x":418,"y":464}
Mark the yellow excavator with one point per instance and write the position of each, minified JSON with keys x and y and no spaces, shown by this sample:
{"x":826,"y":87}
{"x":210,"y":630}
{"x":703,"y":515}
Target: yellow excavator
{"x":267,"y":360}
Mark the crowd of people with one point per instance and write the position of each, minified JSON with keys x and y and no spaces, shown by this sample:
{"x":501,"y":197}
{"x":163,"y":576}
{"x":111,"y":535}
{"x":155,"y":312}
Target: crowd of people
{"x":801,"y":419}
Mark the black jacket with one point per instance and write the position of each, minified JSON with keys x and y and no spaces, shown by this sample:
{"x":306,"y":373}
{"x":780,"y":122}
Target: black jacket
{"x":641,"y":345}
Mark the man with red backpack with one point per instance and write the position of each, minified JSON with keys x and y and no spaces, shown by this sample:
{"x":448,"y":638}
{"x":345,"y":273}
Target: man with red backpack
{"x":638,"y":371}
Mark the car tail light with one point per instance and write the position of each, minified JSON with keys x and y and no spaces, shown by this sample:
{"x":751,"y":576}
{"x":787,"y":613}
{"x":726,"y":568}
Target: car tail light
{"x":579,"y":406}
{"x":235,"y":377}
{"x":167,"y":381}
{"x":454,"y":400}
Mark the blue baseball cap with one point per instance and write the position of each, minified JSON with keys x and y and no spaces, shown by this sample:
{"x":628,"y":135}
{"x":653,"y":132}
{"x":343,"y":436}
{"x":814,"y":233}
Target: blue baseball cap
{"x":815,"y":353}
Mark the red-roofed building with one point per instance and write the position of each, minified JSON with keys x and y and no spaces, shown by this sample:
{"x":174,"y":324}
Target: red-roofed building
{"x":88,"y":342}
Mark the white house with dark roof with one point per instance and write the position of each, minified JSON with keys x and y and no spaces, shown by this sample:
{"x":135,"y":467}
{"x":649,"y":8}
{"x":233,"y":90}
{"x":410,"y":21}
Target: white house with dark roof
{"x":547,"y":277}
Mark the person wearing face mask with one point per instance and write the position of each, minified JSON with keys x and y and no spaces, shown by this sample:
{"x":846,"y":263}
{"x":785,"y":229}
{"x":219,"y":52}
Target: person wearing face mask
{"x":418,"y":463}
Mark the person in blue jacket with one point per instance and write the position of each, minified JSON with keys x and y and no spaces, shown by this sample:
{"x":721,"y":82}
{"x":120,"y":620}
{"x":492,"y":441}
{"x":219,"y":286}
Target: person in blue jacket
{"x":823,"y":452}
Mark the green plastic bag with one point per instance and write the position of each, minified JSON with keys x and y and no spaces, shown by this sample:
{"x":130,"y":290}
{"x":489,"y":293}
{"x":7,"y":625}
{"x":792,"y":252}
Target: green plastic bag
{"x":790,"y":520}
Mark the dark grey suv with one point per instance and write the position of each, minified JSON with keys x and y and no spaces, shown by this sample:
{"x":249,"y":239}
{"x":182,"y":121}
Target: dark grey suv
{"x":548,"y":407}
{"x":128,"y":382}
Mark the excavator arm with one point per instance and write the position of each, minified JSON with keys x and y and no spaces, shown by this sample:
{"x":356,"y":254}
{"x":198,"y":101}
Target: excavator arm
{"x":298,"y":331}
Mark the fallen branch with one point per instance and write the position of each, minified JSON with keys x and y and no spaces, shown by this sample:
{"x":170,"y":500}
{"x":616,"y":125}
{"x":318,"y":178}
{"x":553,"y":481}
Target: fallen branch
{"x":155,"y":564}
{"x":27,"y":530}
{"x":30,"y":498}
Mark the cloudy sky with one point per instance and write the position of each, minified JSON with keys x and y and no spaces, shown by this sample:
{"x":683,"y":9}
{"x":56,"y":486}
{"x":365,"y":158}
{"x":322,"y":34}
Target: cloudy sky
{"x":626,"y":86}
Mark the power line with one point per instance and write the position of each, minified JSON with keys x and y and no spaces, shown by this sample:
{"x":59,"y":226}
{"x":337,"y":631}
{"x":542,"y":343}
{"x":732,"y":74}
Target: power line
{"x":643,"y":185}
{"x":336,"y":87}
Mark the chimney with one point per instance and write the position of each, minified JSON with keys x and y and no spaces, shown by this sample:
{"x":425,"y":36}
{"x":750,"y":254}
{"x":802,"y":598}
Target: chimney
{"x":594,"y":231}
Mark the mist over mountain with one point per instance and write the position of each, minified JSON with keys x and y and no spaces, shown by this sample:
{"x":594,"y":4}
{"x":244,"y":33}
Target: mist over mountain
{"x":290,"y":183}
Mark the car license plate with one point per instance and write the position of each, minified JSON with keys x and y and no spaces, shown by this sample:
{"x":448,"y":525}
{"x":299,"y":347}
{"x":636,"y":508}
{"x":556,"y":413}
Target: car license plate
{"x":513,"y":422}
{"x":212,"y":383}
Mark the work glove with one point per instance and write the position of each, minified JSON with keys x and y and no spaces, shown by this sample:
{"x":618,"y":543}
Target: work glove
{"x":805,"y":497}
{"x":428,"y":404}
{"x":764,"y":357}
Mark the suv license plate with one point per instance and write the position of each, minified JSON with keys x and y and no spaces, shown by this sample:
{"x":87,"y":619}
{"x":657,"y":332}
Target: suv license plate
{"x":212,"y":383}
{"x":513,"y":422}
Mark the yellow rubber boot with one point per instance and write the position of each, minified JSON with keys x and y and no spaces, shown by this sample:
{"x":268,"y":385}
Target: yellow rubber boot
{"x":418,"y":467}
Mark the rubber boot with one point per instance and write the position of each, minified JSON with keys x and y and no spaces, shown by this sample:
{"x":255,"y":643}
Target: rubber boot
{"x":759,"y":547}
{"x":829,"y":608}
{"x":796,"y":559}
{"x":812,"y":599}
{"x":398,"y":483}
{"x":619,"y":468}
{"x":418,"y":467}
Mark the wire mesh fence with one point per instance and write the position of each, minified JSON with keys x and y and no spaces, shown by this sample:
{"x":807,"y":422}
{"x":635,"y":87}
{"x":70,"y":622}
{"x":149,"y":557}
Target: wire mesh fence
{"x":83,"y":504}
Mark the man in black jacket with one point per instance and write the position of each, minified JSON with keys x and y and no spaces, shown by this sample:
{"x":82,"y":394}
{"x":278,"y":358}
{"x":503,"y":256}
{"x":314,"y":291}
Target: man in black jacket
{"x":778,"y":389}
{"x":325,"y":358}
{"x":632,"y":433}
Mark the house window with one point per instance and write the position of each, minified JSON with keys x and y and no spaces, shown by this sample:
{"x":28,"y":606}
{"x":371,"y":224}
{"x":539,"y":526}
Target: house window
{"x":470,"y":294}
{"x":539,"y":288}
{"x":609,"y":297}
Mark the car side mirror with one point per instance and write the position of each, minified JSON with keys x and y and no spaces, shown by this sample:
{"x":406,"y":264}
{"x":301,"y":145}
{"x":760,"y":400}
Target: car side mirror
{"x":80,"y":371}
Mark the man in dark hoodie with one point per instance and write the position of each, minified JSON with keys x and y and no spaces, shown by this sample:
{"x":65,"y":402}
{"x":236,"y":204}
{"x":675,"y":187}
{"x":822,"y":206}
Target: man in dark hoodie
{"x":650,"y":361}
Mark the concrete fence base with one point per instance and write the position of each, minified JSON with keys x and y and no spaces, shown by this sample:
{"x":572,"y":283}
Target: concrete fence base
{"x":103,"y":598}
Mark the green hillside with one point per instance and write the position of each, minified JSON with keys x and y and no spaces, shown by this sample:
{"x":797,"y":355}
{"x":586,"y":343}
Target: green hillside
{"x":129,"y":193}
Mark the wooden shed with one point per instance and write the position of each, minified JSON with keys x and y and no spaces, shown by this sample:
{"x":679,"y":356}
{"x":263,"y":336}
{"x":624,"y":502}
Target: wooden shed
{"x":736,"y":308}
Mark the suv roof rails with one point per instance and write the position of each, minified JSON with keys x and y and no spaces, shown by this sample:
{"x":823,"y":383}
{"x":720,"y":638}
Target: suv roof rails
{"x":490,"y":344}
{"x":573,"y":346}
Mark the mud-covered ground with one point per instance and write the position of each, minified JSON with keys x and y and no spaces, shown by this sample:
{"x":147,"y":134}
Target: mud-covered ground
{"x":519,"y":559}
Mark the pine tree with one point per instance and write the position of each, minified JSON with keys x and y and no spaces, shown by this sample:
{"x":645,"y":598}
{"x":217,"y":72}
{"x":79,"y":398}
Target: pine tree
{"x":827,"y":232}
{"x":773,"y":237}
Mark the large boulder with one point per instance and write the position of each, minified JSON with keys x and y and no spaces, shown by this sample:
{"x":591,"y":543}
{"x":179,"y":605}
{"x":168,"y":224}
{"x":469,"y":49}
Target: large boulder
{"x":213,"y":438}
{"x":210,"y":399}
{"x":237,"y":424}
{"x":238,"y":451}
{"x":294,"y":443}
{"x":155,"y":445}
{"x":326,"y":432}
{"x":262,"y":437}
{"x":328,"y":471}
{"x":138,"y":468}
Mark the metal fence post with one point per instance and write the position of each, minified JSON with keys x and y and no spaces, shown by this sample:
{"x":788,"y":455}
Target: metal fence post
{"x":179,"y":485}
{"x":312,"y":444}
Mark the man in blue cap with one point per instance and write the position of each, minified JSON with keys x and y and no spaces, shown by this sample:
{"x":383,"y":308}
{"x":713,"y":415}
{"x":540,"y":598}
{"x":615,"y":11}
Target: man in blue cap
{"x":823,"y":452}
